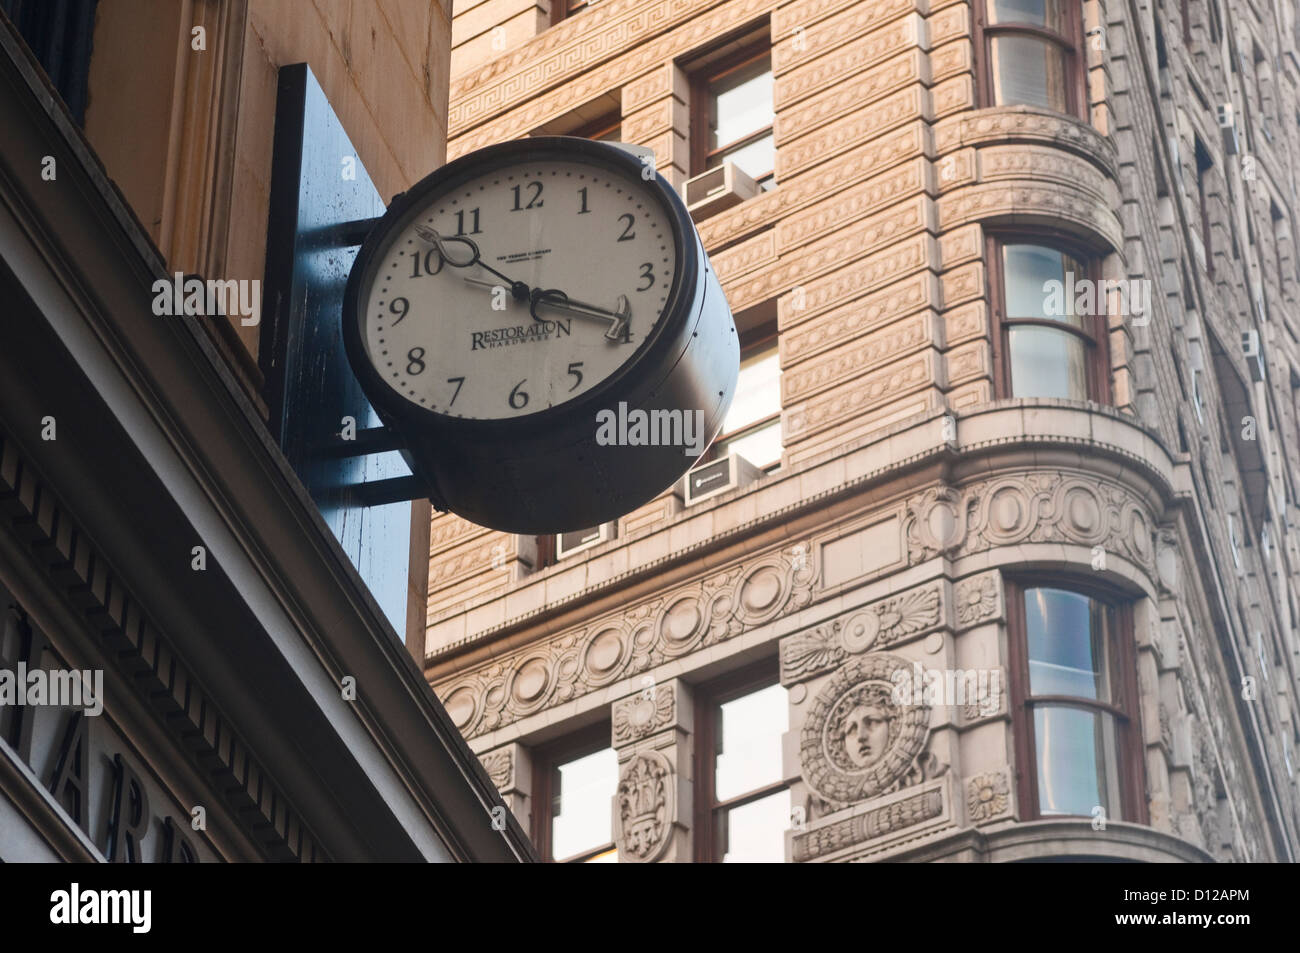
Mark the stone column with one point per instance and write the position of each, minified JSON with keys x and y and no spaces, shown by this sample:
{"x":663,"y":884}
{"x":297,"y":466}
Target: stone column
{"x":651,"y":732}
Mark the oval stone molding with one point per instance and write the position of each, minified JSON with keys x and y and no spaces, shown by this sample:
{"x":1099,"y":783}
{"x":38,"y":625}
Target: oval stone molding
{"x":626,"y":642}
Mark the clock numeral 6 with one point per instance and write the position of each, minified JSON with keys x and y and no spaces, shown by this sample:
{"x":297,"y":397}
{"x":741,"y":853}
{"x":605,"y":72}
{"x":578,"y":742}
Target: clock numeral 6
{"x":518,"y":398}
{"x":399,"y":307}
{"x":415,"y":360}
{"x":574,"y":370}
{"x":648,"y":273}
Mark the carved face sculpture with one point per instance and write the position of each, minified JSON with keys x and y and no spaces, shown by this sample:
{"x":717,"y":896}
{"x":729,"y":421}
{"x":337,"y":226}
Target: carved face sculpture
{"x":866,"y":733}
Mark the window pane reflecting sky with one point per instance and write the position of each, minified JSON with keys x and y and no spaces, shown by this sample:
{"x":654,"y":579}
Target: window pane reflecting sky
{"x":583,"y":812}
{"x":749,"y":742}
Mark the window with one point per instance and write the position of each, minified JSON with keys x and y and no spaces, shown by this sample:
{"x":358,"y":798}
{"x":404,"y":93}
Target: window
{"x":1203,"y":165}
{"x":742,"y":808}
{"x":574,"y":782}
{"x":732,"y":117}
{"x":605,"y":129}
{"x":1031,"y":55}
{"x":752,"y":427}
{"x":1050,"y":339}
{"x":1074,"y":693}
{"x":563,"y":9}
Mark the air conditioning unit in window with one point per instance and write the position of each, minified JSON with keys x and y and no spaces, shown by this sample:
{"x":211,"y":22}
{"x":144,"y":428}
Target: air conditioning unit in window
{"x":1228,"y":128}
{"x":718,"y":189}
{"x":717,"y":477}
{"x":566,"y":544}
{"x":1250,"y":349}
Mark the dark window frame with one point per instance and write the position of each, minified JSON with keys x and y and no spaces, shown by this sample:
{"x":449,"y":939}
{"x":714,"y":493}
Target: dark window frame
{"x":708,"y":701}
{"x":1096,"y":337}
{"x":560,"y":10}
{"x":1121,"y":653}
{"x":1070,"y":43}
{"x":546,"y":758}
{"x":599,"y":126}
{"x":1204,"y":164}
{"x":701,"y":80}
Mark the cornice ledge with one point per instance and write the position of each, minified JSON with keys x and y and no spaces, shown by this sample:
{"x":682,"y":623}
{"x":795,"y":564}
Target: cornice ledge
{"x":1118,"y":445}
{"x":1107,"y":433}
{"x":1002,"y":124}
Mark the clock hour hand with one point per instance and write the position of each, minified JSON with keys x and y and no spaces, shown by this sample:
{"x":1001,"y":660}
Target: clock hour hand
{"x":558,"y":300}
{"x":518,"y":289}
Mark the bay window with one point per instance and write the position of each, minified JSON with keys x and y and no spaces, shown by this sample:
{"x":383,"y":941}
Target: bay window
{"x":1050,"y":334}
{"x":1074,"y":700}
{"x":1031,"y":54}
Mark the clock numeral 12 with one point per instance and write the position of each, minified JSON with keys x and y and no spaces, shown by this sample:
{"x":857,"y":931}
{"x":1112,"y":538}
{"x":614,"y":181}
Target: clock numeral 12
{"x":534,"y":202}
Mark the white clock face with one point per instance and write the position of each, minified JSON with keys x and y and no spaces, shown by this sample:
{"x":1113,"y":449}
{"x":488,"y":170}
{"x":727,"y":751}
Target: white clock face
{"x":444,"y":324}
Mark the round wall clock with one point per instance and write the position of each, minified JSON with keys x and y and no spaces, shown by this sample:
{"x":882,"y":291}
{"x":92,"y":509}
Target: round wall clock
{"x":539,"y":325}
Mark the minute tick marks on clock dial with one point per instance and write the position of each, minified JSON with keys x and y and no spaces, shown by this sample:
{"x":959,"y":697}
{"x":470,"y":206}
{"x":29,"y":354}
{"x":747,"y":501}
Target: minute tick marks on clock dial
{"x":588,"y":246}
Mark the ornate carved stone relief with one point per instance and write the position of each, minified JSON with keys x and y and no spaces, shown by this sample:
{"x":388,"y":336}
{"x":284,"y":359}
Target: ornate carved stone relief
{"x":857,"y":741}
{"x":500,"y":766}
{"x":976,"y":600}
{"x":988,"y":796}
{"x":647,"y":712}
{"x":646,"y":803}
{"x":878,"y":822}
{"x":1031,"y":507}
{"x":628,"y":641}
{"x":874,"y":626}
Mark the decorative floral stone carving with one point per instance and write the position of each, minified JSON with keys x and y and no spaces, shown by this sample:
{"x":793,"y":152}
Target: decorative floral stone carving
{"x":987,"y":796}
{"x":977,"y":600}
{"x":646,"y":801}
{"x":648,"y":711}
{"x":857,"y":742}
{"x":874,"y":626}
{"x":499,"y":766}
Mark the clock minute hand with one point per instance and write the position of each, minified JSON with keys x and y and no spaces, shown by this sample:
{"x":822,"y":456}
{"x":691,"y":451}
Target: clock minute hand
{"x":518,"y":289}
{"x":562,"y":302}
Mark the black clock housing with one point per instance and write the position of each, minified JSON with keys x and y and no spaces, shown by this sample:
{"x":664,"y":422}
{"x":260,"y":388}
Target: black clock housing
{"x":545,"y":472}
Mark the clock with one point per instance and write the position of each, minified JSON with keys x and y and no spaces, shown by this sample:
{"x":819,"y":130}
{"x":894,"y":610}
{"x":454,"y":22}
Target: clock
{"x":539,"y":326}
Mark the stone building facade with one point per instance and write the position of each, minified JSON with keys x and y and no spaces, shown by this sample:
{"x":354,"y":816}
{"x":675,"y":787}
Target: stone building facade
{"x":1079,"y":546}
